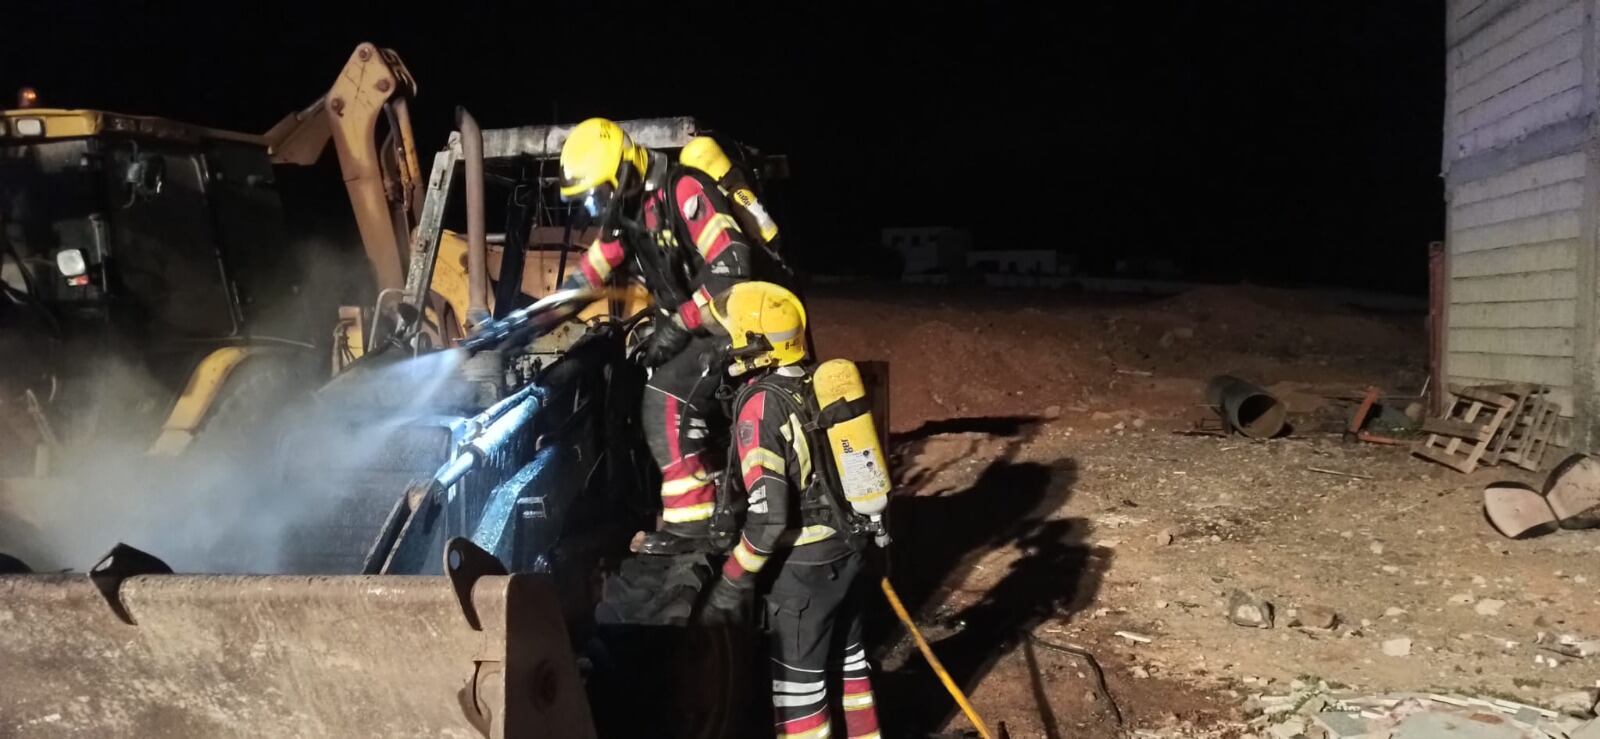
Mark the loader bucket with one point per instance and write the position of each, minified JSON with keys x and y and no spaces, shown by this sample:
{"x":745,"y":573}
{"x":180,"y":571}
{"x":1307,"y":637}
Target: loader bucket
{"x":286,"y":656}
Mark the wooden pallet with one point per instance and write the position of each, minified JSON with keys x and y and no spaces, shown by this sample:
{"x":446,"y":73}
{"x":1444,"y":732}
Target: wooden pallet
{"x":1521,"y":392}
{"x":1528,"y":434}
{"x":1525,"y":435}
{"x":1461,"y":438}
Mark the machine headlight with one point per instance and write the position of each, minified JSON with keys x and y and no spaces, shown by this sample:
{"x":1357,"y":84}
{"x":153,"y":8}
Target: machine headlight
{"x":71,"y":264}
{"x":28,"y":126}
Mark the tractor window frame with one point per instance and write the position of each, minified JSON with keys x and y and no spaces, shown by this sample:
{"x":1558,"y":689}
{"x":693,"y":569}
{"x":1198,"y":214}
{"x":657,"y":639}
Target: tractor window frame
{"x":167,"y":255}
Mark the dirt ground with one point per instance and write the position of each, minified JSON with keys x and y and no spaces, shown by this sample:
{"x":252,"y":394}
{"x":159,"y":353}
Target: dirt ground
{"x":1053,"y":494}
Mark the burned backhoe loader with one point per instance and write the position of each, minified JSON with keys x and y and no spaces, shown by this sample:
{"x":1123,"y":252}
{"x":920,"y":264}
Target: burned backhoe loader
{"x":141,"y":259}
{"x":517,"y":453}
{"x":152,"y":301}
{"x":146,"y":258}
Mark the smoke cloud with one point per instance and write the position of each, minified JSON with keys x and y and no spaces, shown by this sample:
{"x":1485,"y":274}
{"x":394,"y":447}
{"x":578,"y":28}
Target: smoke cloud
{"x":301,"y":493}
{"x":302,"y":490}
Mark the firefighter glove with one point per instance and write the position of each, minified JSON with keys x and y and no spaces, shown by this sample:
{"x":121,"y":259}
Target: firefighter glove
{"x":726,"y":606}
{"x":666,"y":340}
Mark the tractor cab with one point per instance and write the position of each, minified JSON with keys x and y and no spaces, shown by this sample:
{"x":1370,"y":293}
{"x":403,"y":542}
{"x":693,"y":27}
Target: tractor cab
{"x":131,"y":250}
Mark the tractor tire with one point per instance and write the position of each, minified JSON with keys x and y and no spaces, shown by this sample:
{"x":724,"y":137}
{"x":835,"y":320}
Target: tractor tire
{"x":654,"y":591}
{"x":655,"y":673}
{"x":231,"y":465}
{"x":252,"y":404}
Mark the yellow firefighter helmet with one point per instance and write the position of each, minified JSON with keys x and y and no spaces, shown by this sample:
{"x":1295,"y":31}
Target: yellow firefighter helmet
{"x":595,"y":164}
{"x":766,"y":326}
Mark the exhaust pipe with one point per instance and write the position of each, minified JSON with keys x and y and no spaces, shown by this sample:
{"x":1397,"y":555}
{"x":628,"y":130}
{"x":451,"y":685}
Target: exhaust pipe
{"x":477,"y":239}
{"x":1246,"y":408}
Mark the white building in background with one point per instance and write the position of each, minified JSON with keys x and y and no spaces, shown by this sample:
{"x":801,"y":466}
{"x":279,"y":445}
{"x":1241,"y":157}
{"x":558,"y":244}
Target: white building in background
{"x":929,"y":250}
{"x":1522,"y":257}
{"x":1014,"y":262}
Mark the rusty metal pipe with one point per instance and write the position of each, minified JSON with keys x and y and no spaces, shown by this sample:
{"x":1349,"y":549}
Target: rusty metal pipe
{"x":1246,"y":408}
{"x":477,"y":238}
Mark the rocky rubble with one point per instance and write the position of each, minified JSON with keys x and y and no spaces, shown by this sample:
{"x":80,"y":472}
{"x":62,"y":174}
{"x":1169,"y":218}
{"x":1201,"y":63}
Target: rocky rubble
{"x":1316,"y":712}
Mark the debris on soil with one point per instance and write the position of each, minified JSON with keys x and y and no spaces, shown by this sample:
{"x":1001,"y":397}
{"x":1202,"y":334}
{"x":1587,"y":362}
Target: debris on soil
{"x":1164,"y":538}
{"x":1014,"y":523}
{"x":1569,"y":645}
{"x":1489,"y":607}
{"x":1133,"y":637}
{"x":1319,"y":618}
{"x":1249,"y":611}
{"x":1347,"y":715}
{"x":1579,"y":703}
{"x":1339,"y":473}
{"x":1292,"y":727}
{"x":1399,"y":647}
{"x":1181,"y":333}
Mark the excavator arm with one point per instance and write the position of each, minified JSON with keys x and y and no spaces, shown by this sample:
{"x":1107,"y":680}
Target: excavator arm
{"x":383,"y":178}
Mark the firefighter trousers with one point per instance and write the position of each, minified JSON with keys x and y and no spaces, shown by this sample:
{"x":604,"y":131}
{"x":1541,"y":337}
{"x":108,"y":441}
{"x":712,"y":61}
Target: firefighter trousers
{"x":814,"y":624}
{"x":680,"y":402}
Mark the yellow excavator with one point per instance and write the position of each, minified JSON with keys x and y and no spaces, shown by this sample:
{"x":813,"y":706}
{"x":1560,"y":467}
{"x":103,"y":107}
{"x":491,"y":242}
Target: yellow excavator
{"x":442,"y":580}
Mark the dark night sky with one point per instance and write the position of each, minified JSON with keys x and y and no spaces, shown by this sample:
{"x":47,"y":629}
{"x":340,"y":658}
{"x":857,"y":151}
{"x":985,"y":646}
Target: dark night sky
{"x":1288,"y":142}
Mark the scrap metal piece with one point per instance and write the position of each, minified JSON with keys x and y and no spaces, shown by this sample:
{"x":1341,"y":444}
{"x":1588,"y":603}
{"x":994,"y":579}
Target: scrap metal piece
{"x":119,"y":564}
{"x":1246,"y":408}
{"x":1518,"y":511}
{"x":1358,"y":422}
{"x":1573,"y":491}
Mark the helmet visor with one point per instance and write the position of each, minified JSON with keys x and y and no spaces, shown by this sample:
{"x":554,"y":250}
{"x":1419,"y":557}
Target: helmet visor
{"x":596,"y":201}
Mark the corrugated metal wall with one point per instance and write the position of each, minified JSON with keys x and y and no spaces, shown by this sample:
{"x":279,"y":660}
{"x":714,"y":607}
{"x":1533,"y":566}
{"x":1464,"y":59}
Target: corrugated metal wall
{"x":1515,"y":69}
{"x":1513,"y":261}
{"x":1519,"y":192}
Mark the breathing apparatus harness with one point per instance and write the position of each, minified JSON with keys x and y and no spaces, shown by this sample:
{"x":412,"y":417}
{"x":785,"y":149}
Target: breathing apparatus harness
{"x":822,"y":499}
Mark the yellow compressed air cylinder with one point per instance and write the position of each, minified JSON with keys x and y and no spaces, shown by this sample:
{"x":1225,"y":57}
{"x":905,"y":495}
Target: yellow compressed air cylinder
{"x":704,"y":154}
{"x":857,"y":454}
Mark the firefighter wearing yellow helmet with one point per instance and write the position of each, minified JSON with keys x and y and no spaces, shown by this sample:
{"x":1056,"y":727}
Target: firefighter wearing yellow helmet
{"x":815,"y":487}
{"x":674,"y":226}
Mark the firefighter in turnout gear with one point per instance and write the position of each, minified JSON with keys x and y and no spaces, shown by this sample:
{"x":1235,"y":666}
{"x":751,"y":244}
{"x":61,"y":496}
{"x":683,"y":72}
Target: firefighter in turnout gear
{"x":676,"y":228}
{"x":798,"y":521}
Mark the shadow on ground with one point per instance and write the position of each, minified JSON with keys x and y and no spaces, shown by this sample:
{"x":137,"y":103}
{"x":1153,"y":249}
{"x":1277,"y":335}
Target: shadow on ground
{"x":938,"y":536}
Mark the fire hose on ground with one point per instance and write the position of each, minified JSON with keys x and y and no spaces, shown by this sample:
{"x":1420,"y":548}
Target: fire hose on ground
{"x":933,"y":661}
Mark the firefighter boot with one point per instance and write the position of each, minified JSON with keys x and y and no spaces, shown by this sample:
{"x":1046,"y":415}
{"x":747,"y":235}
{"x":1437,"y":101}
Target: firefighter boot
{"x":678,"y":538}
